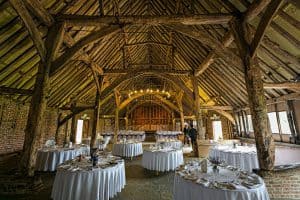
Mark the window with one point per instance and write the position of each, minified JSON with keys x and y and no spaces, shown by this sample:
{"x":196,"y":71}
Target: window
{"x":79,"y":131}
{"x":284,"y":123}
{"x":217,"y":130}
{"x":250,"y":125}
{"x":273,"y":122}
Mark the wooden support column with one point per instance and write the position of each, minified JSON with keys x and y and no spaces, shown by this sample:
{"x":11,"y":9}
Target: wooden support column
{"x":67,"y":134}
{"x":292,"y":121}
{"x":57,"y":127}
{"x":117,"y":97}
{"x":33,"y":131}
{"x":173,"y":121}
{"x":73,"y":129}
{"x":257,"y":102}
{"x":198,"y":112}
{"x":179,"y":103}
{"x":99,"y":81}
{"x":126,"y":120}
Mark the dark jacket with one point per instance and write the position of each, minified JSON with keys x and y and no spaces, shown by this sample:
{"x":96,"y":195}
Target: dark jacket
{"x":193,"y":133}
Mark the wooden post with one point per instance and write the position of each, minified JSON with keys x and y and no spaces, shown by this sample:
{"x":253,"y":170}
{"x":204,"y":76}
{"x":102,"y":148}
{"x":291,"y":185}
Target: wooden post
{"x":116,"y":130}
{"x":173,"y":121}
{"x":67,"y":135}
{"x":96,"y":114}
{"x":198,"y":113}
{"x":33,"y":131}
{"x":179,"y":103}
{"x":73,"y":129}
{"x":257,"y":102}
{"x":292,"y":120}
{"x":57,"y":127}
{"x":116,"y":125}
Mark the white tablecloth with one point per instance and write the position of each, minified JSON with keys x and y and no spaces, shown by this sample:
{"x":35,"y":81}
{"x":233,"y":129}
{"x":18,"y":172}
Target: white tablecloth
{"x":128,"y":149}
{"x":242,"y":157}
{"x":162,"y":161}
{"x":188,"y":190}
{"x":99,"y":184}
{"x":173,"y":144}
{"x":48,"y":159}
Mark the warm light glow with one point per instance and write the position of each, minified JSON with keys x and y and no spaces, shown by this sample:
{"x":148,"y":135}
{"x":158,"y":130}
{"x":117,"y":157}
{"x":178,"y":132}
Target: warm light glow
{"x":141,"y":91}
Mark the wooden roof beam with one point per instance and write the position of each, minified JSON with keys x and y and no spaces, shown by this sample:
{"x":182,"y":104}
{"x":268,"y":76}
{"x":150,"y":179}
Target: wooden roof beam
{"x":34,"y":33}
{"x":263,"y":25}
{"x":283,"y":85}
{"x":69,"y":53}
{"x":165,"y":71}
{"x":148,"y":43}
{"x":43,"y":15}
{"x":217,"y":46}
{"x":84,"y":20}
{"x":8,"y":90}
{"x":252,"y":12}
{"x":216,"y":107}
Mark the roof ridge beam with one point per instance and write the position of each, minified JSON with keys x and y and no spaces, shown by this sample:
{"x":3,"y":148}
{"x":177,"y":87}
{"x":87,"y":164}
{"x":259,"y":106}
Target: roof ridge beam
{"x":85,"y":20}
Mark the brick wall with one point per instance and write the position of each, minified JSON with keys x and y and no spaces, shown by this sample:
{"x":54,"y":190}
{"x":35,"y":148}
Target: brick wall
{"x":283,"y":184}
{"x":13,"y":119}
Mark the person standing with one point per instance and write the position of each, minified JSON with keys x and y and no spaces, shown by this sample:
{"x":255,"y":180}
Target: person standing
{"x":193,"y":135}
{"x":186,"y":134}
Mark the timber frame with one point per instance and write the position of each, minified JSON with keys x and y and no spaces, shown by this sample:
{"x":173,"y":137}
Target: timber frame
{"x":211,"y":55}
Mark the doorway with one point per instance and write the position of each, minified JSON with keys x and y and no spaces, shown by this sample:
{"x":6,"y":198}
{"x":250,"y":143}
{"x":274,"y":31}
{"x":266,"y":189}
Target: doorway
{"x":217,"y":130}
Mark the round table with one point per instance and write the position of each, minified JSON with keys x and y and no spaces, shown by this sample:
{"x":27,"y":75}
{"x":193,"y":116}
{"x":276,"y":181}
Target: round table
{"x":48,"y":159}
{"x":226,"y":185}
{"x":89,"y":183}
{"x":242,"y":157}
{"x":128,"y":149}
{"x":174,"y":144}
{"x":162,"y":160}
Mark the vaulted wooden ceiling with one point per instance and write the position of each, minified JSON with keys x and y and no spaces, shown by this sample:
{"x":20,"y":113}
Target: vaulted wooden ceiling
{"x":136,"y":55}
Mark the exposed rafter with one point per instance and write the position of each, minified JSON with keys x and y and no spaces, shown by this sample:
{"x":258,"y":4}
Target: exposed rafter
{"x":263,"y":24}
{"x":81,"y":20}
{"x":36,"y":37}
{"x":252,"y":12}
{"x":8,"y":90}
{"x":69,"y":53}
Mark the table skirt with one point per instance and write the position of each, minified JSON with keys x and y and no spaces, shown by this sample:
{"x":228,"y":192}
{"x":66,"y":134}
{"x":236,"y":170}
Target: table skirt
{"x":99,"y":184}
{"x":162,"y":161}
{"x":128,"y":150}
{"x":188,"y":190}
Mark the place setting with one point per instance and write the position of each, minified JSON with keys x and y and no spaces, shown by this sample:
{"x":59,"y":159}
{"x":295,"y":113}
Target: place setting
{"x":213,"y":179}
{"x":100,"y":176}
